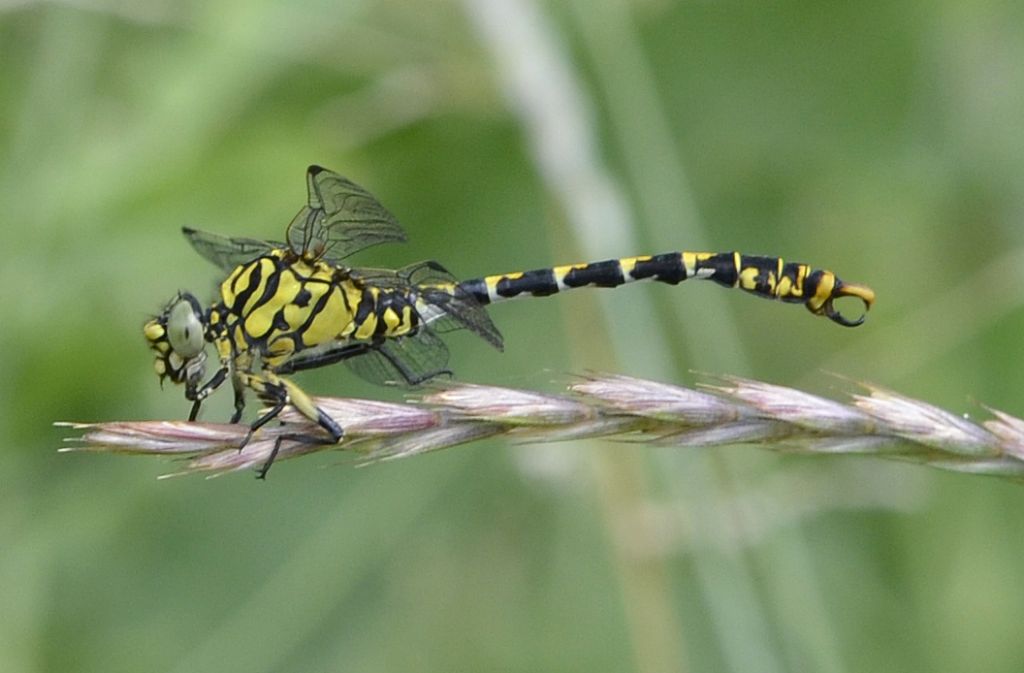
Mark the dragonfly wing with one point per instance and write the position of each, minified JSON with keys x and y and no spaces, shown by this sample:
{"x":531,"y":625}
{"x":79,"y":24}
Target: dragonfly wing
{"x":225,"y":251}
{"x":407,"y":360}
{"x":459,"y":310}
{"x":341,"y":218}
{"x":443,"y":304}
{"x":439,"y":289}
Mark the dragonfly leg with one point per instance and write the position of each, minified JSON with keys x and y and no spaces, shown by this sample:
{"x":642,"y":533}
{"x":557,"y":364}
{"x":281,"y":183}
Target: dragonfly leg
{"x":261,"y":473}
{"x":197,"y":395}
{"x":239,"y":391}
{"x":300,"y":362}
{"x":280,"y":392}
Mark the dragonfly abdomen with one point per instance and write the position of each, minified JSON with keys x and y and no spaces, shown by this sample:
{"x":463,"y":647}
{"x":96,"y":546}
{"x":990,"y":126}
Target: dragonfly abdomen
{"x":769,"y":277}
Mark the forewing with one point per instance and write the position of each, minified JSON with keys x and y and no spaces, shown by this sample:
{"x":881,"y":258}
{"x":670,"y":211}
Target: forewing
{"x":340,"y":219}
{"x":225,"y":251}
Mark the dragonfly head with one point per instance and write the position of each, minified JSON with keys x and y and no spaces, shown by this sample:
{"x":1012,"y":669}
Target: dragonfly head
{"x":178,"y":338}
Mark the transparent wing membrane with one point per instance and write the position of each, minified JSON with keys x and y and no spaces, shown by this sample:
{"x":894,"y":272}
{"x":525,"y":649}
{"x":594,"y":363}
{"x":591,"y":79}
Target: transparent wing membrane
{"x":449,"y":307}
{"x":408,"y":360}
{"x":225,"y":251}
{"x":340,"y":219}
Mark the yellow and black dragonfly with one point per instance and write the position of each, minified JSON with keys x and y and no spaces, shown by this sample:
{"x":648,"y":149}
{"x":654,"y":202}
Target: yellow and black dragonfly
{"x":297,"y":305}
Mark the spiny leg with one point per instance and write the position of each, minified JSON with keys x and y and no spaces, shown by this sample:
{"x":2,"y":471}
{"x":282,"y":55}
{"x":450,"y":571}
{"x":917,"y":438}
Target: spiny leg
{"x":261,"y":472}
{"x":239,"y":390}
{"x":198,"y":395}
{"x":280,"y":392}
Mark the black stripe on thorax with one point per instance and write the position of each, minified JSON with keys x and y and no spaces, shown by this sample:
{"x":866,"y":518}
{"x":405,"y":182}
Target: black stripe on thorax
{"x":314,"y":312}
{"x":255,"y":276}
{"x":269,"y":287}
{"x":365,"y":308}
{"x":385,"y":300}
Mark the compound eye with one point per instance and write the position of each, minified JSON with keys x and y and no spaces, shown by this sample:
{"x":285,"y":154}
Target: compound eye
{"x":185,"y":330}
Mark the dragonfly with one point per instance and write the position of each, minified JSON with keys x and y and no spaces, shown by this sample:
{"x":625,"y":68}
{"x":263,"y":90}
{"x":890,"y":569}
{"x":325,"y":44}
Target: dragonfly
{"x":295,"y":305}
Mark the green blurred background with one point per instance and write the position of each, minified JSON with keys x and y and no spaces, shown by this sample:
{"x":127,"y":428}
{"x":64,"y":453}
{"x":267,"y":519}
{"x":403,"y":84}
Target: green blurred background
{"x":883,"y":140}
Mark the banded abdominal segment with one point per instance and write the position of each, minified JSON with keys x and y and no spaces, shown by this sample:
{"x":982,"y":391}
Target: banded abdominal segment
{"x":769,"y":277}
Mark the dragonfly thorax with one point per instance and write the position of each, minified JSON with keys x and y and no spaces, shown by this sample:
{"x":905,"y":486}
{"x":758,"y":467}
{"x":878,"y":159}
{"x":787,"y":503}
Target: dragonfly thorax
{"x":281,"y":303}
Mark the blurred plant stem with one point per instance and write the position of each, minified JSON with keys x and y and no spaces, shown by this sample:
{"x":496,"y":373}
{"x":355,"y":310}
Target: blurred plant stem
{"x":550,"y":97}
